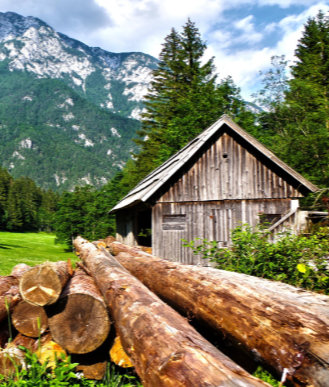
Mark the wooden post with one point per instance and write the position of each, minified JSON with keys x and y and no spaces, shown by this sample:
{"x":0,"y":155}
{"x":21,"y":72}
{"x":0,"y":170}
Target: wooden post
{"x":287,"y":327}
{"x":164,"y":349}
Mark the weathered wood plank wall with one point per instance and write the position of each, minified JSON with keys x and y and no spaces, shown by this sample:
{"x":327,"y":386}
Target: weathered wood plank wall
{"x":228,"y":171}
{"x":210,"y":220}
{"x":227,"y":185}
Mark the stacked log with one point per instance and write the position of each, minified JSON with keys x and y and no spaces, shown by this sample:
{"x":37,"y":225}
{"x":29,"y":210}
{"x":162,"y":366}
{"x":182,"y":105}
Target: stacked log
{"x":30,"y":320}
{"x":284,"y":327}
{"x":13,"y":355}
{"x":287,"y":327}
{"x":67,"y":313}
{"x":9,"y":292}
{"x":43,"y":284}
{"x":79,"y":321}
{"x":164,"y":349}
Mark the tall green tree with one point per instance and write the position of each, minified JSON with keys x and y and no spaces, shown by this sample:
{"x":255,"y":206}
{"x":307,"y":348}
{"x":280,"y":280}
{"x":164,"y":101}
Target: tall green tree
{"x":47,"y":210}
{"x":184,"y":98}
{"x":5,"y":181}
{"x":24,"y":201}
{"x":85,"y":212}
{"x":307,"y":102}
{"x":300,"y":123}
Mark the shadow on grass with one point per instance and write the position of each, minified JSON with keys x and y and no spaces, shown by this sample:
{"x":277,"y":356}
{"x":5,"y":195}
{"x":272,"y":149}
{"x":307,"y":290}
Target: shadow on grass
{"x":8,"y":247}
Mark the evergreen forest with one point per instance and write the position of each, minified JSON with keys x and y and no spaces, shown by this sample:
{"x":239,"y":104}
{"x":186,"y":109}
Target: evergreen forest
{"x":184,"y":98}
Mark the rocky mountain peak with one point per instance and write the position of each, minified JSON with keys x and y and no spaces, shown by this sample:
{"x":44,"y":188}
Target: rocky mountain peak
{"x":68,"y":112}
{"x":114,"y":81}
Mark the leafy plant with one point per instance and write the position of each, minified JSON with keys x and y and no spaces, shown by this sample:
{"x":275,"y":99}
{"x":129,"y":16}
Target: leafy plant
{"x":35,"y":374}
{"x":264,"y":375}
{"x":295,"y":259}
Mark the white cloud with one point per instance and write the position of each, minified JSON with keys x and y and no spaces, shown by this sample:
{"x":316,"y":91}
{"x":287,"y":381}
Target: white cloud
{"x":142,"y":25}
{"x":287,"y":3}
{"x":244,"y":65}
{"x":249,"y":34}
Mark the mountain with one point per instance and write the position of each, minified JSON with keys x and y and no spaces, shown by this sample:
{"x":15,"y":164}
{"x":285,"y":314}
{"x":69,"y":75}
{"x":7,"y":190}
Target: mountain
{"x":68,"y":112}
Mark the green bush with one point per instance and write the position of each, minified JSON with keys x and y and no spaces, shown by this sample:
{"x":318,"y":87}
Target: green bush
{"x":295,"y":259}
{"x":35,"y":374}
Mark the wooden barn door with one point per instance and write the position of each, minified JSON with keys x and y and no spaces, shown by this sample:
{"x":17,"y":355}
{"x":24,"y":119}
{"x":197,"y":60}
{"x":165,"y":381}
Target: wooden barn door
{"x":224,"y":218}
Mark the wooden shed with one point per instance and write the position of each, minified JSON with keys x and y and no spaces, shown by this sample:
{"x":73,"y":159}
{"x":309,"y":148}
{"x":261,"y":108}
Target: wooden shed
{"x":221,"y":178}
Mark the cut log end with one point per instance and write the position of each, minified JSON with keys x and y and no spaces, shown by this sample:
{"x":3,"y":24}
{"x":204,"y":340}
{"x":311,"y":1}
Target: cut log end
{"x":40,"y":285}
{"x":79,"y":323}
{"x":118,"y":354}
{"x":30,"y":320}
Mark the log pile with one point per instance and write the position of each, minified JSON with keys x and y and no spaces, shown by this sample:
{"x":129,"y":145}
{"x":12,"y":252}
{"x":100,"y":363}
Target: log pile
{"x":285,"y":327}
{"x":70,"y":311}
{"x":53,"y":309}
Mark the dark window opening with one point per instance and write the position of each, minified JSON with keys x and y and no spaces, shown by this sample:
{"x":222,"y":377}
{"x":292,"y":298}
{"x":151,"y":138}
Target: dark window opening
{"x":144,"y":228}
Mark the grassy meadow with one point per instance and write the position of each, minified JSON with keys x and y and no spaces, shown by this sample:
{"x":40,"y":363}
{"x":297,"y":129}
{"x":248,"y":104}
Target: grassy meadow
{"x":30,"y":248}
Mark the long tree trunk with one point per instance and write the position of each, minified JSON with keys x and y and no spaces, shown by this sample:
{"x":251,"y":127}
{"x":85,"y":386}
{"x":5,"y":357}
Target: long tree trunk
{"x":164,"y":349}
{"x":286,"y":326}
{"x":9,"y":291}
{"x":79,"y":321}
{"x":42,"y":284}
{"x":30,"y":320}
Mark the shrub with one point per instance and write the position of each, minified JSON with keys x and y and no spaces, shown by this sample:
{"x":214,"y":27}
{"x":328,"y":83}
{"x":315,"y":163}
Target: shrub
{"x":295,"y":259}
{"x":35,"y":374}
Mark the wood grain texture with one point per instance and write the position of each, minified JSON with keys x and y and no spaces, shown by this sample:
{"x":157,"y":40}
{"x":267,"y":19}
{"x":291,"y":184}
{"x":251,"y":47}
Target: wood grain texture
{"x":285,"y":326}
{"x":9,"y":290}
{"x":79,"y":321}
{"x":42,"y":284}
{"x":164,"y":349}
{"x":30,"y":320}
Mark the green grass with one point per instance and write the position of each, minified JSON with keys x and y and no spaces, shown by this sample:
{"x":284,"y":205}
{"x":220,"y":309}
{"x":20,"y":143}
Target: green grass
{"x":30,"y":248}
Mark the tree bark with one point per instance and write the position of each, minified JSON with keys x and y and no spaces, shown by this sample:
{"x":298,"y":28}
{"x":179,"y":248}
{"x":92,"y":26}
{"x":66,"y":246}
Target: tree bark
{"x":287,"y":327}
{"x":30,"y":320}
{"x":19,"y":270}
{"x":42,"y":284}
{"x":164,"y":349}
{"x":79,"y":321}
{"x":9,"y":292}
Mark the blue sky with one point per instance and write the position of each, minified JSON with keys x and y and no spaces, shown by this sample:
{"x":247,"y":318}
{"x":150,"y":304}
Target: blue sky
{"x":242,"y":35}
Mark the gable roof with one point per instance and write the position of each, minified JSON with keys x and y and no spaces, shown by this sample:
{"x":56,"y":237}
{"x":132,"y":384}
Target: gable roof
{"x":157,"y":178}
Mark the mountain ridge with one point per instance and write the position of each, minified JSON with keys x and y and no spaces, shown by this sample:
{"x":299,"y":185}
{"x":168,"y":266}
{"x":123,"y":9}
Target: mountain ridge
{"x":85,"y":100}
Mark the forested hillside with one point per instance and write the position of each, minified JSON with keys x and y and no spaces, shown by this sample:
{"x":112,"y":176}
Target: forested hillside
{"x":67,"y":111}
{"x":185,"y":97}
{"x":56,"y":137}
{"x":24,"y":206}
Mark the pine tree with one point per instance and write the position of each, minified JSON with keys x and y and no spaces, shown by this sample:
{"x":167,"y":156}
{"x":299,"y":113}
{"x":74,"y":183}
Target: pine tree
{"x":307,"y":102}
{"x":300,"y":123}
{"x":183,"y":100}
{"x":24,"y":201}
{"x":5,"y":181}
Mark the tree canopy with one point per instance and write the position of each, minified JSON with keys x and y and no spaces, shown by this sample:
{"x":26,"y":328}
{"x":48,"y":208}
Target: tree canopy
{"x":184,"y":98}
{"x":299,"y":122}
